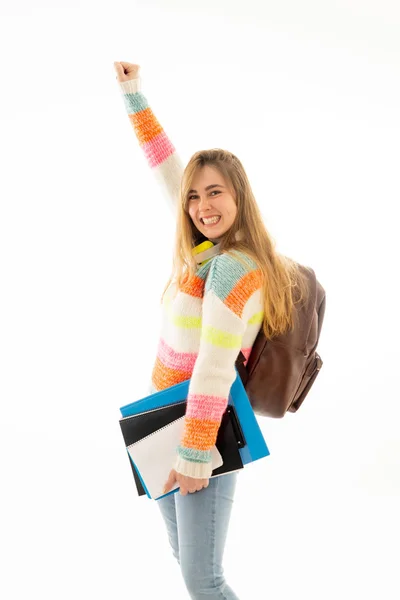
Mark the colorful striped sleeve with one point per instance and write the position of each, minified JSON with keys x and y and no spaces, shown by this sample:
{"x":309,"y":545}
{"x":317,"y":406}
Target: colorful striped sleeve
{"x":158,"y":149}
{"x":229,"y":292}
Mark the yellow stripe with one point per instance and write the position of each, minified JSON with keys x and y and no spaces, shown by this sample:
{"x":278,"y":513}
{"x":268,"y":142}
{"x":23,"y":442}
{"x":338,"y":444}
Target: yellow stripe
{"x":186,"y":322}
{"x":220,"y":338}
{"x":256,"y":318}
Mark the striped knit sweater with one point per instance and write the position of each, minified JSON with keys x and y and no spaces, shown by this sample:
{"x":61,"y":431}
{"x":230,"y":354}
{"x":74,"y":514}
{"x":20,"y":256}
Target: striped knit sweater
{"x":211,"y":318}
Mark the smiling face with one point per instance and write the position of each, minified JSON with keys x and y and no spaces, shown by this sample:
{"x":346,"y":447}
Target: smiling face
{"x":209,"y":197}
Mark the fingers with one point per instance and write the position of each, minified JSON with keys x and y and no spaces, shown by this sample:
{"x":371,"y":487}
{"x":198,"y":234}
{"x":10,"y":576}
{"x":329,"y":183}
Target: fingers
{"x":170,"y":481}
{"x":184,"y":490}
{"x":187,"y":485}
{"x":190,"y":485}
{"x":126,"y":71}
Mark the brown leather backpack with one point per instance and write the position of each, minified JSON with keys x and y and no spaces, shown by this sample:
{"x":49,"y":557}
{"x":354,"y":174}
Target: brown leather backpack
{"x":281,"y":371}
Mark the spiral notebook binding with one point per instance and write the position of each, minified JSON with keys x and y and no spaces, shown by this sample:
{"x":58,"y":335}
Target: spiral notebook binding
{"x":230,"y":409}
{"x":152,"y":410}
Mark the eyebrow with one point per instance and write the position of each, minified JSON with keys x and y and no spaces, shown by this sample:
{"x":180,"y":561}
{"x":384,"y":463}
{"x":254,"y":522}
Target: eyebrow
{"x":213,"y":185}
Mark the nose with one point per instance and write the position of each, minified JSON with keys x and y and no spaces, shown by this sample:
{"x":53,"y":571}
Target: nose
{"x":204,"y":203}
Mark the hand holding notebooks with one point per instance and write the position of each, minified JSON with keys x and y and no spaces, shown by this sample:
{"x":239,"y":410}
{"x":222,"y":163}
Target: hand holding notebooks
{"x":239,"y":422}
{"x":154,"y":456}
{"x":150,"y":425}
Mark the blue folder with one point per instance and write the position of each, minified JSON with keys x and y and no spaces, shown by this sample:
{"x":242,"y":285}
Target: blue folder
{"x":255,"y":447}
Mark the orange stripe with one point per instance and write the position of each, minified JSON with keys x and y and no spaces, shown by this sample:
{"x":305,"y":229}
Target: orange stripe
{"x":242,"y":291}
{"x":164,"y":377}
{"x":193,"y":287}
{"x":199,"y":433}
{"x":145,"y":125}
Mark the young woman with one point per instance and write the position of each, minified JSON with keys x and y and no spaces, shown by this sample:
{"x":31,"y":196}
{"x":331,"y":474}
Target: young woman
{"x":214,"y":303}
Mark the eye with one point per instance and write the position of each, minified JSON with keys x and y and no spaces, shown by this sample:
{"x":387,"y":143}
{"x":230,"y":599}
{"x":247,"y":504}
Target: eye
{"x":192,"y":196}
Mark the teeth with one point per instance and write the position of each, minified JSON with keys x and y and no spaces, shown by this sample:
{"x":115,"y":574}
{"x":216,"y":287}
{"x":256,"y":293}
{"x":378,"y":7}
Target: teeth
{"x":209,"y":221}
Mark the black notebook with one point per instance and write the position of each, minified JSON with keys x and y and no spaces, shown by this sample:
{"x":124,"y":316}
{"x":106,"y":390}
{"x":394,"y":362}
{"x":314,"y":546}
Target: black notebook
{"x":229,"y":439}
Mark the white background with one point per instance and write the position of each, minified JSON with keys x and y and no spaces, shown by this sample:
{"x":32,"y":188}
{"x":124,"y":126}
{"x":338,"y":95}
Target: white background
{"x":307,"y":94}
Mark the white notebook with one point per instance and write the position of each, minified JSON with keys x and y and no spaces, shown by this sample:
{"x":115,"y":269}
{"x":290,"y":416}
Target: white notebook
{"x":155,"y":455}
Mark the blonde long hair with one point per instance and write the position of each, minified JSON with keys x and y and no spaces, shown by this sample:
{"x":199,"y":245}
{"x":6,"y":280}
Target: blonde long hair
{"x":282,"y":279}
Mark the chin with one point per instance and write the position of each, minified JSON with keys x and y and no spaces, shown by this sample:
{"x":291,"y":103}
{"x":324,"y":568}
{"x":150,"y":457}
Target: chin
{"x":214,"y":231}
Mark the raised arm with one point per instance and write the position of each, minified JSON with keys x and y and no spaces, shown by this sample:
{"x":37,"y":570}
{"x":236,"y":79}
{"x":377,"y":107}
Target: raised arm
{"x":158,"y":149}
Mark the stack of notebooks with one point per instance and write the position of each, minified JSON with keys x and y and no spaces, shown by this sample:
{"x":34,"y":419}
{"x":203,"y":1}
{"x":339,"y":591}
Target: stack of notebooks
{"x":152,"y":429}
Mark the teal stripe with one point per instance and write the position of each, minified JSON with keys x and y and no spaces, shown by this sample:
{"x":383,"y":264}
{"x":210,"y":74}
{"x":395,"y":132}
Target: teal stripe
{"x":197,"y":456}
{"x":135,"y":102}
{"x":226,"y":271}
{"x":203,"y":269}
{"x":252,"y":265}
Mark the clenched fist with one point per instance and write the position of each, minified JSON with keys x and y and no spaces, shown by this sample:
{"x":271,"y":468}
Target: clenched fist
{"x":126,"y":71}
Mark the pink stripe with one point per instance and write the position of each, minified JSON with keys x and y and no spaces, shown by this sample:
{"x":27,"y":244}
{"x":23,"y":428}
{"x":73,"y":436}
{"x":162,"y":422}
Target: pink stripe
{"x":158,"y":149}
{"x":246,"y":354}
{"x":182,"y":361}
{"x":200,"y":406}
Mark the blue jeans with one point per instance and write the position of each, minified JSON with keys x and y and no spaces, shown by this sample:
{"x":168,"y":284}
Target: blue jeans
{"x":197,"y":526}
